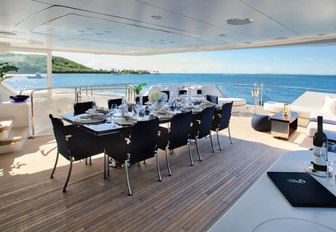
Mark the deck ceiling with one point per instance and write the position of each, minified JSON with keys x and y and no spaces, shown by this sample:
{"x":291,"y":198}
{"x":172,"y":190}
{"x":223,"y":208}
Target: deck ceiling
{"x":135,"y":27}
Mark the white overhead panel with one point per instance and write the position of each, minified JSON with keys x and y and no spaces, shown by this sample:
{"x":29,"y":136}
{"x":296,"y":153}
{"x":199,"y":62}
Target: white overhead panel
{"x":163,"y":26}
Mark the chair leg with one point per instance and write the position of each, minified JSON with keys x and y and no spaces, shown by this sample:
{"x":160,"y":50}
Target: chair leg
{"x":54,"y":169}
{"x":108,"y":165}
{"x":213,"y":149}
{"x":197,"y":149}
{"x":158,"y":167}
{"x":86,"y":161}
{"x":220,"y":147}
{"x":104,"y":165}
{"x":168,"y":164}
{"x":90,"y":162}
{"x":69,"y":174}
{"x":229,"y":134}
{"x":190,"y":155}
{"x":127,"y":179}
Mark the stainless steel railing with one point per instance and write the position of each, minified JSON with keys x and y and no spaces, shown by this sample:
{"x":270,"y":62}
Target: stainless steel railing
{"x":78,"y":92}
{"x":285,"y":94}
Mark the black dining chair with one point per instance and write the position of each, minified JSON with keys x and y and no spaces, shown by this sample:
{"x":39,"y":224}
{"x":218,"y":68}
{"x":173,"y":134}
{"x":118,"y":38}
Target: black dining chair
{"x":212,"y":98}
{"x":183,"y":92}
{"x":144,"y":99}
{"x":221,"y":121}
{"x":73,"y":144}
{"x":201,"y":127}
{"x":82,"y":107}
{"x":117,"y":101}
{"x":177,"y":135}
{"x":143,"y":140}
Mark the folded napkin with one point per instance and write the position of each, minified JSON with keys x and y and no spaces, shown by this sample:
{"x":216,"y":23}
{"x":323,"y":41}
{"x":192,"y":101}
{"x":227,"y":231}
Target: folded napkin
{"x":90,"y":118}
{"x":125,"y":121}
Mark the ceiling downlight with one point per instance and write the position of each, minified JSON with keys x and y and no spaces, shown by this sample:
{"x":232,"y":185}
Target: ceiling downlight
{"x":239,"y":21}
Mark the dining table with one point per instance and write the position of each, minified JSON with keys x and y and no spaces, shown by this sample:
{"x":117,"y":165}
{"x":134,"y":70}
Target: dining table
{"x":103,"y":122}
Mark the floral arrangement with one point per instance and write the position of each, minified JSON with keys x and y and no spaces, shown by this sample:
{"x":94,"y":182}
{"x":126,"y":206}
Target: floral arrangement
{"x":139,"y":87}
{"x":157,"y":97}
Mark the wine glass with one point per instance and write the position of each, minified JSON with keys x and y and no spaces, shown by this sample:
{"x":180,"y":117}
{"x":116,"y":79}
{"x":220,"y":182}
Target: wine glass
{"x":135,"y":110}
{"x":94,"y":107}
{"x":113,"y":109}
{"x":326,"y":159}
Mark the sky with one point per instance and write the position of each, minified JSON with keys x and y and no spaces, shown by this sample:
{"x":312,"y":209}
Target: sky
{"x":288,"y":60}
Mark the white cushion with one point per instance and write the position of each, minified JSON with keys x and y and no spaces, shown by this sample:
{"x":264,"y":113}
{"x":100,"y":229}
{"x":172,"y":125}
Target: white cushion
{"x":329,"y":105}
{"x":312,"y":128}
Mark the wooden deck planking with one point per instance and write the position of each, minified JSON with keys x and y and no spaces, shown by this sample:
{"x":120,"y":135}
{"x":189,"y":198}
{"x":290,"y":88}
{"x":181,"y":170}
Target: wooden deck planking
{"x":190,"y":200}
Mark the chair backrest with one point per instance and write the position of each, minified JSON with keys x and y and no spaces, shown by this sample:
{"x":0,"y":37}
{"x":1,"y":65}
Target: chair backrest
{"x":203,"y":128}
{"x":144,"y":99}
{"x":222,"y":120}
{"x":180,"y":126}
{"x":60,"y":136}
{"x":144,"y":139}
{"x":79,"y":145}
{"x":182,"y":91}
{"x":82,"y":107}
{"x":212,"y":98}
{"x":117,"y":101}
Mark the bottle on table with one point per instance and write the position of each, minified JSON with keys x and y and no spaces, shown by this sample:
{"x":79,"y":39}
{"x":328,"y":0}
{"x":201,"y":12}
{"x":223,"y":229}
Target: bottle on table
{"x":320,"y":149}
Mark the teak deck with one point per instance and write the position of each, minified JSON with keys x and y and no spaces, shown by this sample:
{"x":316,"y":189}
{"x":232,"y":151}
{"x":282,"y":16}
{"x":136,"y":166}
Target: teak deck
{"x":192,"y":199}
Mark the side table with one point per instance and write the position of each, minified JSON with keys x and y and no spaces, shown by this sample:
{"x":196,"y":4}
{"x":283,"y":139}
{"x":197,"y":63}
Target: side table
{"x":284,"y":126}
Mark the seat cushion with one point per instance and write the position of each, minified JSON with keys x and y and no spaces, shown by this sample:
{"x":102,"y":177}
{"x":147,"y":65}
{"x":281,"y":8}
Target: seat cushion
{"x":261,"y":123}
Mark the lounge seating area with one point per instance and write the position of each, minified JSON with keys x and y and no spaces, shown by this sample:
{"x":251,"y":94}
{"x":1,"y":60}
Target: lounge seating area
{"x":309,"y":105}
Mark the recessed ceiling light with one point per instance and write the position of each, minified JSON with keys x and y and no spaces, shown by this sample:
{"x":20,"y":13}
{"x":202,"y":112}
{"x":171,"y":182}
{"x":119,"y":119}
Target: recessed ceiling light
{"x":156,"y":17}
{"x":239,"y":21}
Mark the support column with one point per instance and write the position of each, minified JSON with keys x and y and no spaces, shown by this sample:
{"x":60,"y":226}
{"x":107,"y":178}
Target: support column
{"x":49,"y":68}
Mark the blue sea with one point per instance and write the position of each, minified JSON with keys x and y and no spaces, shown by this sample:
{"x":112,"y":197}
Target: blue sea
{"x":276,"y":87}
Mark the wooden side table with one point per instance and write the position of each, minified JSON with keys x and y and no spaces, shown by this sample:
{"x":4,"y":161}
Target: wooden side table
{"x":283,"y":127}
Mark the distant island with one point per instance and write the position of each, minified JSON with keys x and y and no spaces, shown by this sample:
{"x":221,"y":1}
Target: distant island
{"x":31,"y":64}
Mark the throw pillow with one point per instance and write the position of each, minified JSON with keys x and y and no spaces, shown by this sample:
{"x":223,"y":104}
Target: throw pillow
{"x":329,"y":105}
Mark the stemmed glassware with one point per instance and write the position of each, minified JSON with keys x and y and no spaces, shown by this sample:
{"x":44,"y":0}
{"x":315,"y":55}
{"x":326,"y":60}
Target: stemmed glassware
{"x":94,"y":107}
{"x":113,"y":111}
{"x":136,"y":109}
{"x":330,"y":173}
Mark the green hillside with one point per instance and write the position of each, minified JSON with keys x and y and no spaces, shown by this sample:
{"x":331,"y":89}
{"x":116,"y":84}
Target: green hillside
{"x":30,"y":64}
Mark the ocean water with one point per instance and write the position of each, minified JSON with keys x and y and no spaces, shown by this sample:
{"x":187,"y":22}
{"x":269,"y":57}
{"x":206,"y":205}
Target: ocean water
{"x":276,"y":87}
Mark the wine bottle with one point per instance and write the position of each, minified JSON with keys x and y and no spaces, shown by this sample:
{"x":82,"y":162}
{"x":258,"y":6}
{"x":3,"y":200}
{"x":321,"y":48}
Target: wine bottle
{"x":319,"y":152}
